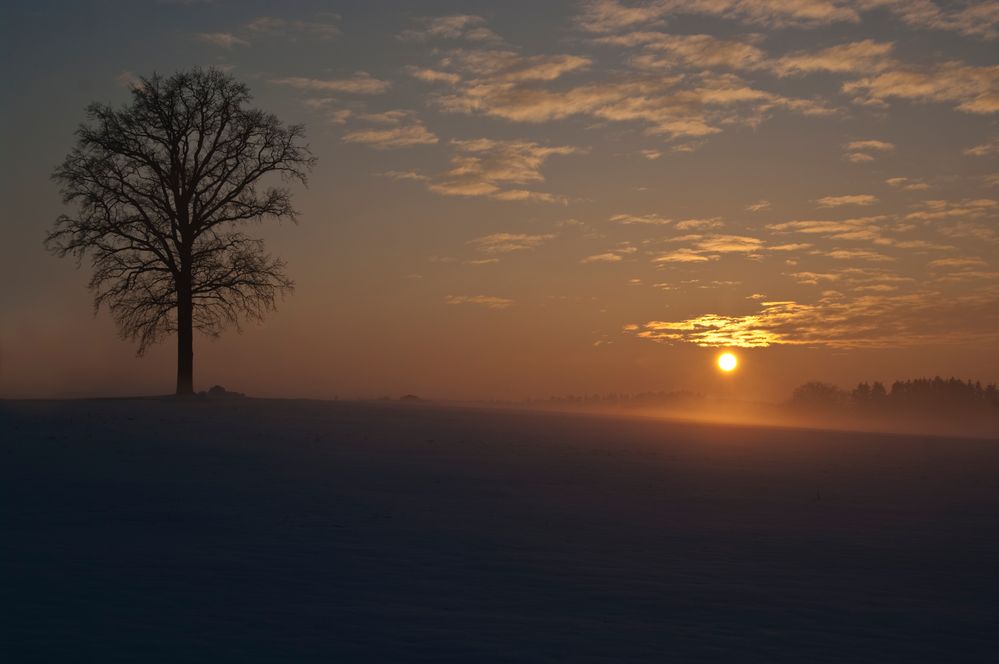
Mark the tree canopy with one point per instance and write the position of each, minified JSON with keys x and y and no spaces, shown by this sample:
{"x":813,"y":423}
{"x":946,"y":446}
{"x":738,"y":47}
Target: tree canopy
{"x":162,"y":188}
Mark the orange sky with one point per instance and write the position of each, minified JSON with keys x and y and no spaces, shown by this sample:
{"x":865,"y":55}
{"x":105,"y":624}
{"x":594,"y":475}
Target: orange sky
{"x":519,"y":201}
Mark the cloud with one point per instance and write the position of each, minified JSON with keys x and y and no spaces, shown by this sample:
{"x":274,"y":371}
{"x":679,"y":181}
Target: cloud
{"x":727,"y":244}
{"x":860,"y":151}
{"x":683,"y":256}
{"x":878,"y":230}
{"x":864,"y":56}
{"x":853,"y":199}
{"x":526,"y":195}
{"x":405,"y":175}
{"x":972,"y":89}
{"x":705,"y":248}
{"x":971,"y":231}
{"x":907,"y":184}
{"x":487,"y":301}
{"x":455,"y":26}
{"x":506,"y":85}
{"x":601,"y":16}
{"x":864,"y":320}
{"x":990,"y":147}
{"x":403,"y":136}
{"x":127,"y":79}
{"x":612,"y":15}
{"x":698,"y":224}
{"x":640,"y":220}
{"x":223,"y":39}
{"x":508,"y":67}
{"x":977,"y":19}
{"x":491,"y":168}
{"x":758,"y":206}
{"x":602,"y":258}
{"x":957,"y":262}
{"x":502,"y":243}
{"x":937,"y":210}
{"x":433,"y":75}
{"x":668,"y":51}
{"x":878,"y":146}
{"x":402,"y":129}
{"x":857,"y":254}
{"x":395,"y":117}
{"x":293,"y":28}
{"x":853,"y":277}
{"x":831,"y":227}
{"x":361,"y":83}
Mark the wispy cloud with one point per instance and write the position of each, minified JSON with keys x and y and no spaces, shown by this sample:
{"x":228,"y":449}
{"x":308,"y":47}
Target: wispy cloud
{"x":907,"y":184}
{"x":937,"y":210}
{"x":969,"y":88}
{"x":703,"y":248}
{"x":698,"y":224}
{"x":507,"y":85}
{"x":487,"y":301}
{"x":974,"y":19}
{"x":857,"y":254}
{"x":613,"y":15}
{"x":361,"y":83}
{"x":504,"y":243}
{"x":985,"y":149}
{"x":608,"y":257}
{"x":640,"y":219}
{"x":662,"y":51}
{"x":957,"y":262}
{"x":455,"y":26}
{"x":870,"y":145}
{"x":403,"y":130}
{"x":850,"y":199}
{"x":403,"y":136}
{"x":294,"y":28}
{"x":864,"y":151}
{"x":428,"y":75}
{"x":494,"y":169}
{"x":863,"y":56}
{"x":868,"y":320}
{"x":223,"y":39}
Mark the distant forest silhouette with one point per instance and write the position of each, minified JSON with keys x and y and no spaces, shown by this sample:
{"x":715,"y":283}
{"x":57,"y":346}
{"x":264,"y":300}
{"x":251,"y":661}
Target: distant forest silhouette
{"x":907,"y":400}
{"x":925,"y":396}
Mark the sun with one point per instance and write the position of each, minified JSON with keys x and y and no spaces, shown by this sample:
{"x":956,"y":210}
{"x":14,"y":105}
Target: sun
{"x":727,"y":362}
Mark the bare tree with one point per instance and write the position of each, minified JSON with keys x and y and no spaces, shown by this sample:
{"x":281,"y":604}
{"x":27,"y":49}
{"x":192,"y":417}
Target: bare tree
{"x":162,"y":187}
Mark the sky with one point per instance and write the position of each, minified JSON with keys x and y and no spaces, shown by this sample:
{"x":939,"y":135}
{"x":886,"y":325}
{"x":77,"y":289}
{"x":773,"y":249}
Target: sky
{"x":524,"y":199}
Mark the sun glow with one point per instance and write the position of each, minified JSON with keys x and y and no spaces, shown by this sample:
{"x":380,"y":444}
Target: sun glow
{"x":727,"y":362}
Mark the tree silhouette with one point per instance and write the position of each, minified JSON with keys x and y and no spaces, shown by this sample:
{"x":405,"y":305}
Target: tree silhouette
{"x":162,"y":186}
{"x":817,"y":396}
{"x":915,"y":400}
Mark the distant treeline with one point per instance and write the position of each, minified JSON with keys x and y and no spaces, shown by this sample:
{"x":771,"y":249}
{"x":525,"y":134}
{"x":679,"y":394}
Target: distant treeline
{"x":922,"y":396}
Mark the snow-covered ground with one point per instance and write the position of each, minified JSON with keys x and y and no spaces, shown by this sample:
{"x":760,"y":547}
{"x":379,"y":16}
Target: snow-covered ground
{"x":296,"y":531}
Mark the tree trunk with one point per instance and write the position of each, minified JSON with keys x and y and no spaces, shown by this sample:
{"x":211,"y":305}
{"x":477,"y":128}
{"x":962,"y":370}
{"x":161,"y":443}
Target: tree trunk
{"x":185,"y":338}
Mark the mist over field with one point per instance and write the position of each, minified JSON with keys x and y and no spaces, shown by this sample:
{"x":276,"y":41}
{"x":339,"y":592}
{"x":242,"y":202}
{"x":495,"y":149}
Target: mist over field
{"x":912,"y":406}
